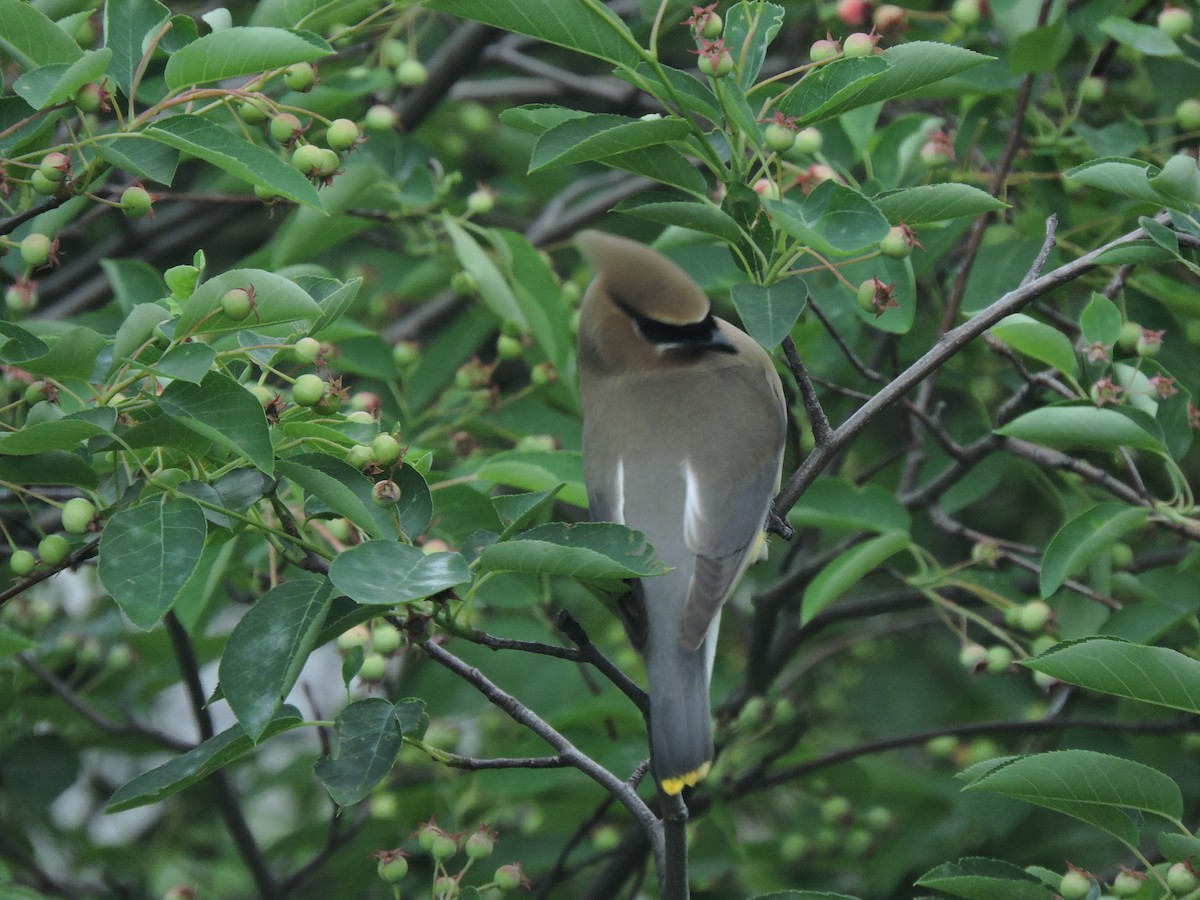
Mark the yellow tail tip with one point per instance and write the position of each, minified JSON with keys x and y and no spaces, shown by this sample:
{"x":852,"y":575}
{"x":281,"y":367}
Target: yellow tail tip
{"x":674,"y":785}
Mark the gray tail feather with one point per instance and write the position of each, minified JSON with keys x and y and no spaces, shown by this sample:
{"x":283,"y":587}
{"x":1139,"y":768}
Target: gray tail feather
{"x":681,"y":740}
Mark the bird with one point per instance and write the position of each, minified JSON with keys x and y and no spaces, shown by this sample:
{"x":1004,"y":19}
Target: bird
{"x":684,"y":424}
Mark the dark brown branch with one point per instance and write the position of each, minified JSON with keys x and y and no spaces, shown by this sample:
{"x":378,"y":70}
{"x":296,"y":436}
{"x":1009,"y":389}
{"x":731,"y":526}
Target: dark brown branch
{"x":589,"y":652}
{"x":472,"y":764}
{"x":675,"y":839}
{"x":86,"y":552}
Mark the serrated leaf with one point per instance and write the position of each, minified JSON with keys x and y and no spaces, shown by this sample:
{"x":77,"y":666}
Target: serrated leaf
{"x":702,"y":217}
{"x":849,"y":568}
{"x":694,"y":95}
{"x":517,"y":510}
{"x":1126,"y":177}
{"x":976,"y":878}
{"x":935,"y":203}
{"x":768,"y":312}
{"x":241,"y":50}
{"x":832,"y":219}
{"x":590,"y":29}
{"x":1079,"y":541}
{"x":73,"y":355}
{"x":31,"y":38}
{"x":1100,"y":320}
{"x":662,"y":164}
{"x":335,"y":304}
{"x":267,"y":649}
{"x":187,"y":362}
{"x":591,"y":550}
{"x":127,"y":23}
{"x":1038,"y":340}
{"x":189,"y":768}
{"x":600,"y":136}
{"x":59,"y":82}
{"x":340,"y":488}
{"x":829,"y":85}
{"x":1179,"y":183}
{"x":144,"y":158}
{"x":839,"y":503}
{"x":1074,"y":427}
{"x":1093,"y":787}
{"x":537,"y":470}
{"x":1040,"y":49}
{"x":60,"y":434}
{"x":1155,"y":675}
{"x":749,"y":30}
{"x":166,"y":538}
{"x":387,"y":573}
{"x":234,"y":154}
{"x":52,"y":467}
{"x":19,"y":345}
{"x":370,"y":733}
{"x":493,"y":288}
{"x":226,"y":413}
{"x":276,"y":300}
{"x":1178,"y":847}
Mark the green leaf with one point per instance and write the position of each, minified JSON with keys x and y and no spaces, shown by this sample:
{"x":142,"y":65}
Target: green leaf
{"x":58,"y":82}
{"x":166,"y":539}
{"x":1179,"y":182}
{"x":1040,"y":49}
{"x":11,"y":643}
{"x":1144,"y":38}
{"x":1100,"y":321}
{"x":60,"y":434}
{"x":52,"y":467}
{"x":592,"y":550}
{"x":539,"y":295}
{"x":492,"y":286}
{"x":534,"y":470}
{"x":589,"y":28}
{"x":1178,"y":847}
{"x":694,"y":95}
{"x":1155,"y":675}
{"x":839,"y":503}
{"x":339,"y":487}
{"x":600,"y":136}
{"x":1126,"y":177}
{"x":73,"y":355}
{"x":387,"y":573}
{"x":828,"y":86}
{"x":187,"y":362}
{"x":516,"y":511}
{"x":139,"y":156}
{"x":1079,"y":541}
{"x":19,"y":344}
{"x":136,"y":331}
{"x":268,"y":648}
{"x":1093,"y":787}
{"x":242,"y":50}
{"x":935,"y":203}
{"x":234,"y":154}
{"x":749,"y":30}
{"x":832,"y":219}
{"x":1086,"y":427}
{"x":334,"y":304}
{"x":538,"y":118}
{"x":910,"y":67}
{"x":1114,"y":139}
{"x":189,"y":768}
{"x":802,"y":895}
{"x":127,"y":23}
{"x":226,"y":413}
{"x":848,"y":569}
{"x":769,"y":312}
{"x":1038,"y":340}
{"x":662,"y":164}
{"x":370,"y":733}
{"x":276,"y":300}
{"x":32,"y":38}
{"x":976,"y":878}
{"x":702,"y":217}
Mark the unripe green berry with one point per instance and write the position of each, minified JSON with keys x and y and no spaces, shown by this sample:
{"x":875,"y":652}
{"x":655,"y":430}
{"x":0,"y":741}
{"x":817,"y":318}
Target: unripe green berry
{"x":361,"y":417}
{"x":306,"y":349}
{"x":262,"y":393}
{"x":1127,"y":883}
{"x":286,"y":127}
{"x":252,"y":111}
{"x":136,"y":201}
{"x":393,"y":870}
{"x":480,"y":845}
{"x":808,"y":140}
{"x":373,"y":668}
{"x":972,"y":657}
{"x":411,"y":72}
{"x":1121,"y":555}
{"x":237,"y":303}
{"x":36,"y":249}
{"x":1187,"y":114}
{"x":360,"y":456}
{"x":1181,"y":879}
{"x":823,"y":49}
{"x":999,"y":659}
{"x":1092,"y":89}
{"x":509,"y":877}
{"x":1129,"y":335}
{"x":386,"y":493}
{"x":942,"y":747}
{"x":385,"y":638}
{"x":542,"y":374}
{"x":427,"y":835}
{"x":381,"y":117}
{"x":895,"y":245}
{"x":1074,"y":885}
{"x":90,"y":97}
{"x":358,"y":636}
{"x":463,"y":283}
{"x":77,"y":515}
{"x":300,"y":77}
{"x":1034,"y":616}
{"x":509,"y":347}
{"x":43,"y":185}
{"x":966,"y":12}
{"x":866,"y":295}
{"x":385,"y":449}
{"x":36,"y":392}
{"x":405,"y":354}
{"x":443,"y":847}
{"x":342,"y":134}
{"x":308,"y":390}
{"x":709,"y":26}
{"x":481,"y":202}
{"x":837,"y":810}
{"x":53,"y":549}
{"x":307,"y":158}
{"x":879,"y":818}
{"x":55,"y":166}
{"x":779,"y":137}
{"x":715,"y":68}
{"x":22,"y":562}
{"x":1174,"y":21}
{"x":857,"y":45}
{"x":22,"y":296}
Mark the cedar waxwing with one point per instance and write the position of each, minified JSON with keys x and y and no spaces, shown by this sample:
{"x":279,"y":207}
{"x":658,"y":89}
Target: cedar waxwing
{"x":683,"y":432}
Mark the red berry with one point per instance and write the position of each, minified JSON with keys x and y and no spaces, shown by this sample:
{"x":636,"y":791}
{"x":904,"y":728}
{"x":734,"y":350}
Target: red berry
{"x":853,"y":12}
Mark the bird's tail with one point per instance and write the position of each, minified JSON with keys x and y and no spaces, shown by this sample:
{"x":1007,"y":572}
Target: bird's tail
{"x":681,"y":741}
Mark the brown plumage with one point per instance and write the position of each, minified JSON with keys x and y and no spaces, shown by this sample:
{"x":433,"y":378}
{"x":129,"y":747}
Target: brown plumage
{"x":684,"y":423}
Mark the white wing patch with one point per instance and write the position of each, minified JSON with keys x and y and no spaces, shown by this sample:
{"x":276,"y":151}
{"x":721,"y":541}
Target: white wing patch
{"x":618,"y":511}
{"x":693,"y":513}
